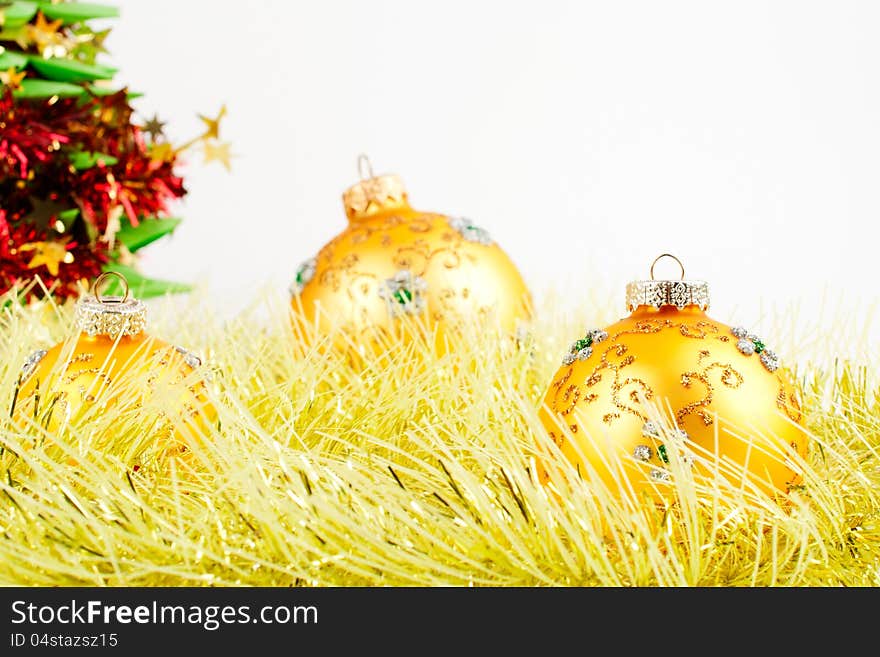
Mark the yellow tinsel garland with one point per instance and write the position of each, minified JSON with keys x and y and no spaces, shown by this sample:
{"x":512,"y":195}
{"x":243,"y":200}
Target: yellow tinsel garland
{"x":407,"y":470}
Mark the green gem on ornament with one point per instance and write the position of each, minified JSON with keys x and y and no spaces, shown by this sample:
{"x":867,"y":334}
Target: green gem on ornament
{"x":304,"y":273}
{"x":661,"y":452}
{"x":749,"y":344}
{"x":582,"y":348}
{"x":469,"y":231}
{"x":403,"y":296}
{"x":404,"y":293}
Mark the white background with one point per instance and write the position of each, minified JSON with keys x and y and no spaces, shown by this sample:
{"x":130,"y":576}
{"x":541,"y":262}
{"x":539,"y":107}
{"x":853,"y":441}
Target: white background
{"x":586,"y":136}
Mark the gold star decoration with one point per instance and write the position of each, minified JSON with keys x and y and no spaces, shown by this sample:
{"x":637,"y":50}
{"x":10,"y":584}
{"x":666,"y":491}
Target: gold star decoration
{"x":215,"y":150}
{"x":43,"y":213}
{"x":213,"y":131}
{"x":114,"y":110}
{"x":162,"y":152}
{"x":12,"y":78}
{"x":154,"y":127}
{"x":89,"y":44}
{"x":21,"y":36}
{"x":98,"y":39}
{"x":218,"y":151}
{"x":50,"y":254}
{"x":85,"y":35}
{"x":50,"y":42}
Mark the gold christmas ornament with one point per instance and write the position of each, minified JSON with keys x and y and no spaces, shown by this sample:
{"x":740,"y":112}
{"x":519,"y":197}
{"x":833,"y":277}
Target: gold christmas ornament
{"x":667,"y":389}
{"x":395,"y":268}
{"x":114,"y":364}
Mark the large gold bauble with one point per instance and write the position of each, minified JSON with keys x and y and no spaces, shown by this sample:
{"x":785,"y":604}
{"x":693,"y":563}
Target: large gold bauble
{"x":719,"y":390}
{"x":113,"y":365}
{"x":396,"y":271}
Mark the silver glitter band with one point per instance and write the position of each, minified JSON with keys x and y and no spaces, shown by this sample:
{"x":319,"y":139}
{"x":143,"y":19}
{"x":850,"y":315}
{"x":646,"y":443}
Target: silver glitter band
{"x":31,"y":363}
{"x":667,"y":293}
{"x":111,"y":316}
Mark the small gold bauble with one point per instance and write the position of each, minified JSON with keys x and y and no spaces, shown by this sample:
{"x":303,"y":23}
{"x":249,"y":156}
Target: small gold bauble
{"x":722,"y":397}
{"x":395,"y":269}
{"x":113,"y":363}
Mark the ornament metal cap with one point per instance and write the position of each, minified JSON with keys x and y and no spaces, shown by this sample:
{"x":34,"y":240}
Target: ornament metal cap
{"x":373,"y":194}
{"x":112,"y":316}
{"x":654,"y":293}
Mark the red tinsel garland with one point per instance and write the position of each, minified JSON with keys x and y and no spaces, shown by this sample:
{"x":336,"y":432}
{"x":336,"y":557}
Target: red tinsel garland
{"x":39,"y":182}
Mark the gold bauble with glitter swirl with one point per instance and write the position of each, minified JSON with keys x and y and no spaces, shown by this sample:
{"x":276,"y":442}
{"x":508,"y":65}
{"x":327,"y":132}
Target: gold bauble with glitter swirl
{"x":668,"y":383}
{"x":112,"y":363}
{"x":396,"y":272}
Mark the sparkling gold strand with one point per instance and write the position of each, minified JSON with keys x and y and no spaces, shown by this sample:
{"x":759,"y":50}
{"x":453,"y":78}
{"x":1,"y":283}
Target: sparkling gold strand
{"x":411,"y":471}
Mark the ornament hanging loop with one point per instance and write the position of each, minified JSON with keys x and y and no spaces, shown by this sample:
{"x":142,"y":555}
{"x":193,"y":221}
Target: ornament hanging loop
{"x":365,"y":167}
{"x":655,"y":293}
{"x":106,"y":276}
{"x":373,"y":193}
{"x":666,"y":255}
{"x":97,"y":314}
